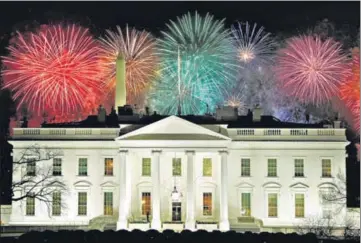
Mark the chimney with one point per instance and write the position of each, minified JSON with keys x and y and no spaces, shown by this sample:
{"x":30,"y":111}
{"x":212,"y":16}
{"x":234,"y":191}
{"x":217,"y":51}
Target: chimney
{"x":257,"y":113}
{"x":336,"y":123}
{"x":101,"y":114}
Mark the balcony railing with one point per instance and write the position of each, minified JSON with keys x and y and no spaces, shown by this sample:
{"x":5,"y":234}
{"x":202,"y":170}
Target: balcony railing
{"x":65,"y":133}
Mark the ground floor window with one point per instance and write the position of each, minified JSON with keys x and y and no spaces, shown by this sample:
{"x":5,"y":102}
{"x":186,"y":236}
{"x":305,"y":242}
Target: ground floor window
{"x":246,"y":204}
{"x":30,"y":206}
{"x":176,"y":211}
{"x":146,"y":203}
{"x":108,"y":203}
{"x":299,"y":205}
{"x":56,"y":203}
{"x":207,"y":204}
{"x":272,"y":205}
{"x":82,"y":203}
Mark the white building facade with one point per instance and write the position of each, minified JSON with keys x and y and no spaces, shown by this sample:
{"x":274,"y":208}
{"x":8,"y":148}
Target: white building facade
{"x":176,"y":173}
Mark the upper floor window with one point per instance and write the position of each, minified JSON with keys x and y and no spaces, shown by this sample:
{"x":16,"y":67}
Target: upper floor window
{"x":299,"y":205}
{"x":30,"y":167}
{"x":56,"y":204}
{"x":30,"y":206}
{"x":245,"y":167}
{"x":146,"y":203}
{"x":82,"y":203}
{"x":108,"y":166}
{"x":177,"y":167}
{"x":326,"y":168}
{"x":207,"y":167}
{"x":83,"y":166}
{"x":299,"y":168}
{"x":57,"y":167}
{"x":207,"y":204}
{"x":146,"y":169}
{"x":272,"y":205}
{"x":272,"y":167}
{"x":108,"y":203}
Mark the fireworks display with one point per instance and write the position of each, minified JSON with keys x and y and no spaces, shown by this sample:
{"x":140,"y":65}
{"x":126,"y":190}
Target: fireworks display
{"x":350,"y":90}
{"x":310,"y":69}
{"x":53,"y":69}
{"x":207,"y":57}
{"x":254,"y":46}
{"x":139,"y":51}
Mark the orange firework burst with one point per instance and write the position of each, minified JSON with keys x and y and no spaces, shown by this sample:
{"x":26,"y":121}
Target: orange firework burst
{"x":350,"y":89}
{"x":138,"y":49}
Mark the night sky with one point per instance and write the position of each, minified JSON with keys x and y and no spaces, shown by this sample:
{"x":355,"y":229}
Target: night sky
{"x":286,"y":17}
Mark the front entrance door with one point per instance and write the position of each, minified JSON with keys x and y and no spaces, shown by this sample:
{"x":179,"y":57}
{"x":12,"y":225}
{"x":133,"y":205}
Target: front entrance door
{"x":176,"y":211}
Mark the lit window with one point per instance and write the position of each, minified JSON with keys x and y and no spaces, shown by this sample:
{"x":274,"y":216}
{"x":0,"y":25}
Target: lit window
{"x":177,"y":167}
{"x":245,"y":167}
{"x":30,"y":167}
{"x":246,"y":204}
{"x":108,"y":203}
{"x":83,"y":167}
{"x":299,"y":205}
{"x":299,"y":168}
{"x":207,"y":204}
{"x":82,"y":203}
{"x":272,"y":167}
{"x":326,"y":168}
{"x":30,"y":206}
{"x":207,"y":167}
{"x":56,"y":204}
{"x":146,"y":169}
{"x":146,"y":203}
{"x":57,"y":167}
{"x":108,"y":166}
{"x":272,"y":205}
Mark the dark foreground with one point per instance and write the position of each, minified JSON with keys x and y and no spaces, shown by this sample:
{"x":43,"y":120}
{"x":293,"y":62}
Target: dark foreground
{"x":94,"y":236}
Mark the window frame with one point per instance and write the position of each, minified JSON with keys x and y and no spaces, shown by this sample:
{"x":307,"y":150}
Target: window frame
{"x":276,"y":207}
{"x":249,"y":167}
{"x":61,"y":166}
{"x":177,"y":165}
{"x":78,"y":165}
{"x":268,"y":167}
{"x":144,"y":161}
{"x":106,"y":169}
{"x":249,"y":212}
{"x":108,"y":208}
{"x":85,"y":205}
{"x":56,"y":207}
{"x":143,"y":206}
{"x":322,"y":167}
{"x":303,"y":206}
{"x":210,"y":207}
{"x":297,"y":175}
{"x":30,"y":163}
{"x":209,"y":169}
{"x":32,"y":209}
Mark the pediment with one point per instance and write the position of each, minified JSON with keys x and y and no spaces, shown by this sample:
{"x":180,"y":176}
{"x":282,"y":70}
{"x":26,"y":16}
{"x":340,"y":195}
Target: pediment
{"x":173,"y":128}
{"x":327,"y":185}
{"x":109,"y":184}
{"x":82,"y":183}
{"x":244,"y":185}
{"x":272,"y":185}
{"x":299,"y":185}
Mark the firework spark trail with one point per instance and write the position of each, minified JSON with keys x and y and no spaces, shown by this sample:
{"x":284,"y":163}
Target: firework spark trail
{"x":254,"y":46}
{"x":310,"y":69}
{"x":139,"y":50}
{"x":350,"y":90}
{"x":53,"y":68}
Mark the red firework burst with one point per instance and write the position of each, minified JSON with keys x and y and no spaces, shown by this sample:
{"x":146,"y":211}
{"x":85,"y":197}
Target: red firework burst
{"x":350,"y":89}
{"x":310,"y":69}
{"x":54,"y":69}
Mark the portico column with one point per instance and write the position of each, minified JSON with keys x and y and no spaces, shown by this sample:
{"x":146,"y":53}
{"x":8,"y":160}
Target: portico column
{"x":190,"y":220}
{"x":122,"y":220}
{"x":224,"y":223}
{"x":155,"y":199}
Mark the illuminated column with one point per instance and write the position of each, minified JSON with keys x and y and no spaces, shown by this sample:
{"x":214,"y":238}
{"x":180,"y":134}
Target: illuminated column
{"x":122,"y":220}
{"x":224,"y":223}
{"x":155,"y":199}
{"x":120,"y":87}
{"x":190,"y":220}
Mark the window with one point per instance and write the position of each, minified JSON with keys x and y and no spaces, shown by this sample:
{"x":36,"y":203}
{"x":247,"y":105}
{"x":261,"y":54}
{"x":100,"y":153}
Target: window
{"x":57,"y":167}
{"x":326,"y":204}
{"x":207,"y":204}
{"x":299,"y":168}
{"x":82,"y":203}
{"x":207,"y":167}
{"x":30,"y":206}
{"x":299,"y":205}
{"x":146,"y":203}
{"x":146,"y":169}
{"x":272,"y":167}
{"x":56,"y":204}
{"x":83,"y":166}
{"x":245,"y":167}
{"x":246,"y":204}
{"x":30,"y":167}
{"x":177,"y":167}
{"x":108,"y":203}
{"x":108,"y":166}
{"x":326,"y":168}
{"x":272,"y":205}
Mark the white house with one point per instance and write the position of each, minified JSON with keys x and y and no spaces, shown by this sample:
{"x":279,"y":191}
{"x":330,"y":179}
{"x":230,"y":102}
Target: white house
{"x":246,"y":172}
